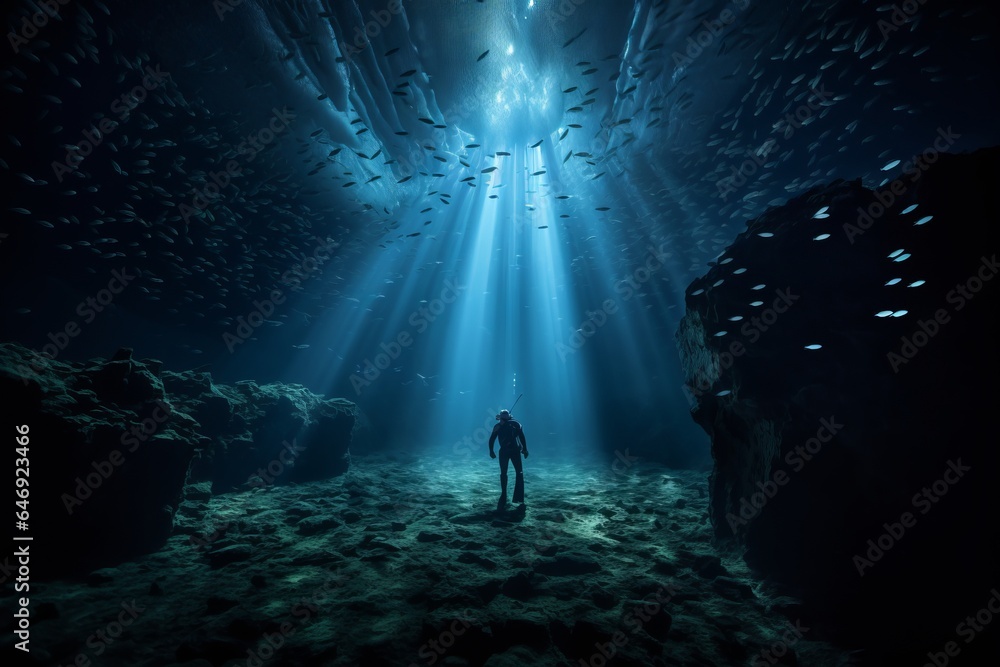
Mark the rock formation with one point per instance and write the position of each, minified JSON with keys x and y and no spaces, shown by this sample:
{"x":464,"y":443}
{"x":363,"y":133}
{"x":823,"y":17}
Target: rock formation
{"x":841,"y":354}
{"x":115,"y":445}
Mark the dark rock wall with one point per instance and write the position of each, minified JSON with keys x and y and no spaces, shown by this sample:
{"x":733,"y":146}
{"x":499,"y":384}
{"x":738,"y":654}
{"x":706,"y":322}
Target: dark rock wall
{"x":817,"y":452}
{"x":114,"y":444}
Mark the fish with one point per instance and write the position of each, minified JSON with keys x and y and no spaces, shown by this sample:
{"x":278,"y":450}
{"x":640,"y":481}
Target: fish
{"x":574,"y":38}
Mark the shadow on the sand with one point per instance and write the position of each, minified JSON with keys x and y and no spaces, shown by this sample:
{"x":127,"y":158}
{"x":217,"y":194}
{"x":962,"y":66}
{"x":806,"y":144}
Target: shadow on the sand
{"x":500,"y":517}
{"x":509,"y":515}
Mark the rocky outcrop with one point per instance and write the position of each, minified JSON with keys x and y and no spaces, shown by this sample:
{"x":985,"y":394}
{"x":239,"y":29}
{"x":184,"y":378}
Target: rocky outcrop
{"x":841,"y":354}
{"x":264,"y":434}
{"x":116,"y":445}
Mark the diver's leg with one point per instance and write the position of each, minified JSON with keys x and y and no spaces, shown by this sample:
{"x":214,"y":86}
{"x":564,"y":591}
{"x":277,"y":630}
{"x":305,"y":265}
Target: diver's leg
{"x":504,"y":459}
{"x":519,"y":478}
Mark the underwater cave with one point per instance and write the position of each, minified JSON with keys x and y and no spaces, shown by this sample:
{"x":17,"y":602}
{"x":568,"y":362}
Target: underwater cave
{"x":484,"y":333}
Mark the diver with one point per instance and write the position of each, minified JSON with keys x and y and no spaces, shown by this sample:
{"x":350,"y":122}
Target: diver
{"x":512,"y":445}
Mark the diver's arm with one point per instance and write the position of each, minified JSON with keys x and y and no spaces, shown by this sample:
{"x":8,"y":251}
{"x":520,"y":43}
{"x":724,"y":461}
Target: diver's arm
{"x":524,"y":443}
{"x":493,"y":438}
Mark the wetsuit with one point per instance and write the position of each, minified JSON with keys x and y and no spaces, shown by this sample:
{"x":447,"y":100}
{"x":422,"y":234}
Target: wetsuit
{"x":512,"y":443}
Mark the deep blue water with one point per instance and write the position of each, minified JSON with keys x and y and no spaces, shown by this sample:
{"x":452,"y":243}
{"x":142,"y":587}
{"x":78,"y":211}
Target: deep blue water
{"x":475,"y":200}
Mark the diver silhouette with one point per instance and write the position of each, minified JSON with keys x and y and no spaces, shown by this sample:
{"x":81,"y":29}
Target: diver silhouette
{"x":512,"y":445}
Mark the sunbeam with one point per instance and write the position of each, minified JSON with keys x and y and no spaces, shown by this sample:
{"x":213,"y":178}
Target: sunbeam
{"x":501,"y":332}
